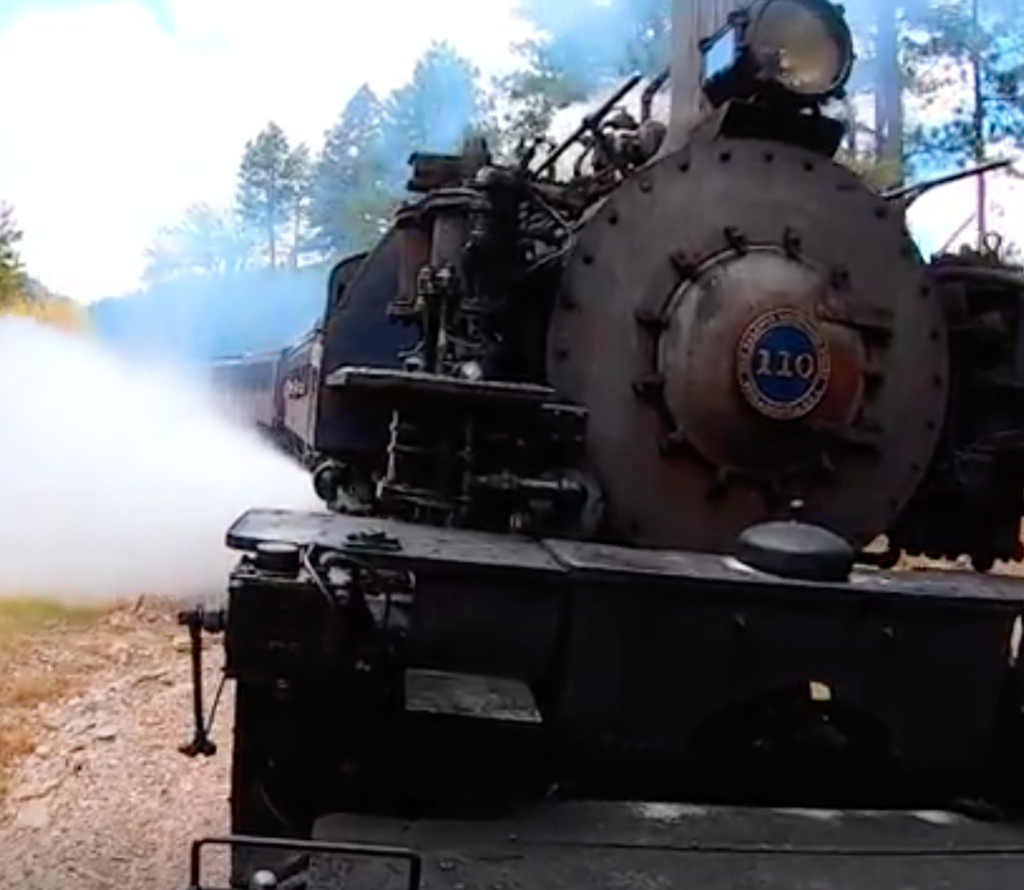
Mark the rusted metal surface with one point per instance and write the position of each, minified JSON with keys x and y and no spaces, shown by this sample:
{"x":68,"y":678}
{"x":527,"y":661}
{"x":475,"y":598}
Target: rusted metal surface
{"x":649,"y":337}
{"x":496,"y":698}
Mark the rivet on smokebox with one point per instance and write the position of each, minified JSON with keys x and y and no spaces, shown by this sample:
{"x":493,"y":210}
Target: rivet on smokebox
{"x":735,"y":239}
{"x":650,"y":320}
{"x":791,"y":242}
{"x":649,"y":386}
{"x":681,"y":262}
{"x":673,"y":444}
{"x":840,"y":278}
{"x":645,"y":185}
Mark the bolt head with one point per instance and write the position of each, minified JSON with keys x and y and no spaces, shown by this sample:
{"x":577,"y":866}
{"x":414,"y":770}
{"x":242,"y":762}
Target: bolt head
{"x":263,"y":880}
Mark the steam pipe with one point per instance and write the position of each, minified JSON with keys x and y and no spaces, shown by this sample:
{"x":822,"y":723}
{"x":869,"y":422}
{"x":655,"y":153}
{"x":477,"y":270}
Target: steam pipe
{"x":960,"y":230}
{"x":591,"y":122}
{"x":647,"y":98}
{"x":910,"y":193}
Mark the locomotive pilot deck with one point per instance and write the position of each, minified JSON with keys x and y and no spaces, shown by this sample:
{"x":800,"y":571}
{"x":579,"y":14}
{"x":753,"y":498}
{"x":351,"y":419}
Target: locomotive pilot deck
{"x":431,"y":549}
{"x":638,"y":846}
{"x":604,"y":630}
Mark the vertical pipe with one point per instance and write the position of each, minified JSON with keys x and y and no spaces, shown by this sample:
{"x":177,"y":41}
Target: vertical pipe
{"x":889,"y":92}
{"x":978,"y":123}
{"x":692,"y":21}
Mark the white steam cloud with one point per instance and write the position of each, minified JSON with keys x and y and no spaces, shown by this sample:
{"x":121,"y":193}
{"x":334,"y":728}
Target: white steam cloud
{"x":117,"y":481}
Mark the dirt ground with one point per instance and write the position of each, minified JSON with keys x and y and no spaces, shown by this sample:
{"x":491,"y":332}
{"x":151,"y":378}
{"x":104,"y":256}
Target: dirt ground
{"x":94,"y":792}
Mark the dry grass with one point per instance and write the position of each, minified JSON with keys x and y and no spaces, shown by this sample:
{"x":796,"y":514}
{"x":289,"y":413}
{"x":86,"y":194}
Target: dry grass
{"x":21,"y":618}
{"x":53,"y":310}
{"x":27,"y":677}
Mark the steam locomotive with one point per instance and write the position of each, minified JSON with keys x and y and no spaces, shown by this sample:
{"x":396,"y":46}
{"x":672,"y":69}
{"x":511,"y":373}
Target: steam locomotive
{"x":601,"y":456}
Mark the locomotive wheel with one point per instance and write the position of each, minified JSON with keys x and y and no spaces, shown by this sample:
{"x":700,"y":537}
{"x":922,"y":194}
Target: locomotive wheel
{"x":748,"y":325}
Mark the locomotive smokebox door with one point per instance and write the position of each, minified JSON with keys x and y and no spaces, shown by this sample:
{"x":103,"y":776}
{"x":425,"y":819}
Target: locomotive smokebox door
{"x":778,"y":343}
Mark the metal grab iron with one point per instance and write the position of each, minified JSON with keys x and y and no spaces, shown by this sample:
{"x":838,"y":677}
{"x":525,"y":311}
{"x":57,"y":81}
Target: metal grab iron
{"x":264,"y":880}
{"x":200,"y":621}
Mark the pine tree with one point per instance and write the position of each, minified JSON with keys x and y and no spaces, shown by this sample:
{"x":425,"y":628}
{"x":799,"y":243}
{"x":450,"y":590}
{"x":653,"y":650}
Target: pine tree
{"x":349,"y":200}
{"x":967,"y":58}
{"x":585,"y":45}
{"x":268,"y":187}
{"x":12,"y":272}
{"x":299,"y":175}
{"x":441,"y":105}
{"x":206,"y":241}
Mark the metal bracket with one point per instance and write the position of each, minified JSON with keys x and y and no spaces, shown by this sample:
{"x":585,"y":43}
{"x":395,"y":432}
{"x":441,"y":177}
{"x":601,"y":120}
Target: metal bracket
{"x":197,"y":621}
{"x":413,"y":859}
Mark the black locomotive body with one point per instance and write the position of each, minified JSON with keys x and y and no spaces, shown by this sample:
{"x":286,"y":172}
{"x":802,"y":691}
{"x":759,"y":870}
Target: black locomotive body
{"x":600,"y":458}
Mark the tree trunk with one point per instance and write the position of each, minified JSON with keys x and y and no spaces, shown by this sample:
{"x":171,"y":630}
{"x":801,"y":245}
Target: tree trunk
{"x":978,"y":123}
{"x":296,"y":233}
{"x":889,"y":92}
{"x":692,"y":21}
{"x":273,"y":216}
{"x":850,"y":140}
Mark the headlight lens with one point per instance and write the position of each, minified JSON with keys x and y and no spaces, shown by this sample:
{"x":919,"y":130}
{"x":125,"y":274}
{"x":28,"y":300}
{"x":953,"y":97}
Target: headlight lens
{"x":804,"y":45}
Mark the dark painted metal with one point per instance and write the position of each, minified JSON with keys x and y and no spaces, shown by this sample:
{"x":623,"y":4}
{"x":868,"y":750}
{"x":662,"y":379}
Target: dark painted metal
{"x":624,"y":845}
{"x":546,"y":612}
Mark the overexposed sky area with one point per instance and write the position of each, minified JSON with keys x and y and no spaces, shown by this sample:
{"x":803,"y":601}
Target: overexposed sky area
{"x":116,"y":114}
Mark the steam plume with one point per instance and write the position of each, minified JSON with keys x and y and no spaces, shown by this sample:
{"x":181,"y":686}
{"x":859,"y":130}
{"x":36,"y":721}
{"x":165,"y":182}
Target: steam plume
{"x":115,"y":480}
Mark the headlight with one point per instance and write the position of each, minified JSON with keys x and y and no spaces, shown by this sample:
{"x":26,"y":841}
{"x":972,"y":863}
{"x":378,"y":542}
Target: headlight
{"x":800,"y":49}
{"x":804,"y":45}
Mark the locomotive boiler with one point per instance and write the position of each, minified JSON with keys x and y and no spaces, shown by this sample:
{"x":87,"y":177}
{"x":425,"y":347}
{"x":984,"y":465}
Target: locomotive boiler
{"x":589,"y":601}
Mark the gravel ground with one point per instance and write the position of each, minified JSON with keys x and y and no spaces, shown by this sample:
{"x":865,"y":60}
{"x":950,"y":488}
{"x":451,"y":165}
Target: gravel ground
{"x":105,"y":800}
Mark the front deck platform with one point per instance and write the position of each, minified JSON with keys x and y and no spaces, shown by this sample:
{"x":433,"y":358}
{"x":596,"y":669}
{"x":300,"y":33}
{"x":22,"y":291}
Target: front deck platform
{"x":624,"y":846}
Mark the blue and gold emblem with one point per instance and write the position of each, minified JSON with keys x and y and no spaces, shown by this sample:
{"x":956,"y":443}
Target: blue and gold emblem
{"x":783,"y":364}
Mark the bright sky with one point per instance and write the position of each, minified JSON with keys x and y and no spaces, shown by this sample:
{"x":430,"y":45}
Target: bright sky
{"x":119,"y":113}
{"x":116,"y":114}
{"x":938,"y":215}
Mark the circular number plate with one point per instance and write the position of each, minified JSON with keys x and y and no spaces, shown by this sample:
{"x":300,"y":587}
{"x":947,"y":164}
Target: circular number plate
{"x":783,"y":364}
